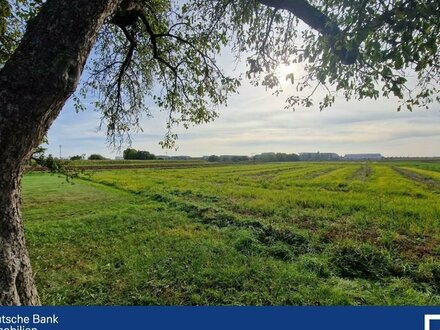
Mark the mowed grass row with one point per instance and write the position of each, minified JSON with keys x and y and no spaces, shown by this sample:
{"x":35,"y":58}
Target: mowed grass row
{"x":267,"y":192}
{"x":292,"y":233}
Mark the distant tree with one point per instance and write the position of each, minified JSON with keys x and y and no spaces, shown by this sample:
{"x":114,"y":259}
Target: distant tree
{"x":276,"y":157}
{"x":130,"y":153}
{"x":239,"y":158}
{"x":213,"y":158}
{"x":144,"y":155}
{"x":76,"y":157}
{"x":292,"y":158}
{"x":96,"y":157}
{"x":280,"y":157}
{"x":233,"y":158}
{"x":266,"y":157}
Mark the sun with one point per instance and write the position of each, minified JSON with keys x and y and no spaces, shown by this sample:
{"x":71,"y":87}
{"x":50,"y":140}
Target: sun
{"x":288,"y":74}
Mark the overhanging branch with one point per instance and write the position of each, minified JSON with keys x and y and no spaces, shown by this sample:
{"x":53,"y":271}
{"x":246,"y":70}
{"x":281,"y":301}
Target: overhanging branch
{"x":321,"y":23}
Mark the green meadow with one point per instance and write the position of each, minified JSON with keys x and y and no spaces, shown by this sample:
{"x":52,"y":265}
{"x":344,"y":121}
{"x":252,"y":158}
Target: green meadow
{"x":249,"y":234}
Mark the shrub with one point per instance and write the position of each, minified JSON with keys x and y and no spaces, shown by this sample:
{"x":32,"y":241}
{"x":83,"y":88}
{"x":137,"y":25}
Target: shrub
{"x":138,"y":154}
{"x":280,"y":251}
{"x":246,"y":243}
{"x":358,"y":260}
{"x":96,"y":157}
{"x":315,"y":264}
{"x":213,"y":158}
{"x":429,"y":272}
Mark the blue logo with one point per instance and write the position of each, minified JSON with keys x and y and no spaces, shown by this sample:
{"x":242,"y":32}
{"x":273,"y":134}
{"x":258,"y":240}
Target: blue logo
{"x":432,"y":321}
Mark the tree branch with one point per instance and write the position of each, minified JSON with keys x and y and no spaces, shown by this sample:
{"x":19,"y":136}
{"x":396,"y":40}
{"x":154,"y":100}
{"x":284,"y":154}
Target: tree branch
{"x":153,"y":38}
{"x":321,"y":23}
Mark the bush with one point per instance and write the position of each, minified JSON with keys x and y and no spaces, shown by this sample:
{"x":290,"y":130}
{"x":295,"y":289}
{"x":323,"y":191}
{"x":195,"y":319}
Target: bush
{"x":357,"y":260}
{"x":144,"y":155}
{"x":213,"y":158}
{"x":246,"y":243}
{"x":315,"y":264}
{"x":281,"y":251}
{"x":137,"y":154}
{"x":429,"y":272}
{"x":96,"y":157}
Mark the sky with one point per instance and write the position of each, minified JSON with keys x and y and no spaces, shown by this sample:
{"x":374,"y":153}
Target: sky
{"x":255,"y":121}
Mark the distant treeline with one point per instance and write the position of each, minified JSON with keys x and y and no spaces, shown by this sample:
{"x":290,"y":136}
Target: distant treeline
{"x":264,"y":157}
{"x":276,"y":157}
{"x":137,"y":154}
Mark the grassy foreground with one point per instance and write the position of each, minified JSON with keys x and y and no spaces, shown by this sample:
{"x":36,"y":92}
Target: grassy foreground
{"x":292,"y":233}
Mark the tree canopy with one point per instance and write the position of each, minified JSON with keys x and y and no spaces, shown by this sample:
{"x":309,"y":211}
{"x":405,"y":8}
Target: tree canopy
{"x":131,"y":153}
{"x":96,"y":157}
{"x":166,"y":52}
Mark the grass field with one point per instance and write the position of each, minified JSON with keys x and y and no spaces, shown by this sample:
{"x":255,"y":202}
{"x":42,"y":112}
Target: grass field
{"x":282,"y":233}
{"x":127,"y":163}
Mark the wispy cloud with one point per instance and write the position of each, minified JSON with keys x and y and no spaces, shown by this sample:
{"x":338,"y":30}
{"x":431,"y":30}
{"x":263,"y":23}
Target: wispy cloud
{"x":255,"y":121}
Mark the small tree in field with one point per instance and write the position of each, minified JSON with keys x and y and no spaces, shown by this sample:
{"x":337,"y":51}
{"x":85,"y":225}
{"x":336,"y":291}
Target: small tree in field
{"x":144,"y":155}
{"x":96,"y":157}
{"x":138,"y":154}
{"x":130,"y":153}
{"x":213,"y":158}
{"x":165,"y":52}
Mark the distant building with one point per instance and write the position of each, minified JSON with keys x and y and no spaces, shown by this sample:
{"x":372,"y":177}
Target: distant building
{"x":119,"y":158}
{"x":318,"y":156}
{"x":363,"y":157}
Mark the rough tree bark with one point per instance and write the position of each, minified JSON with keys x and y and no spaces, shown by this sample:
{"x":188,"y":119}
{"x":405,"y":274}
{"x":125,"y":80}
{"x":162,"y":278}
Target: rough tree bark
{"x":34,"y":85}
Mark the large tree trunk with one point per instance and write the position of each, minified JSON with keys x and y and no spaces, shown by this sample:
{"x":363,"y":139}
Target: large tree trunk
{"x":16,"y":282}
{"x":34,"y":85}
